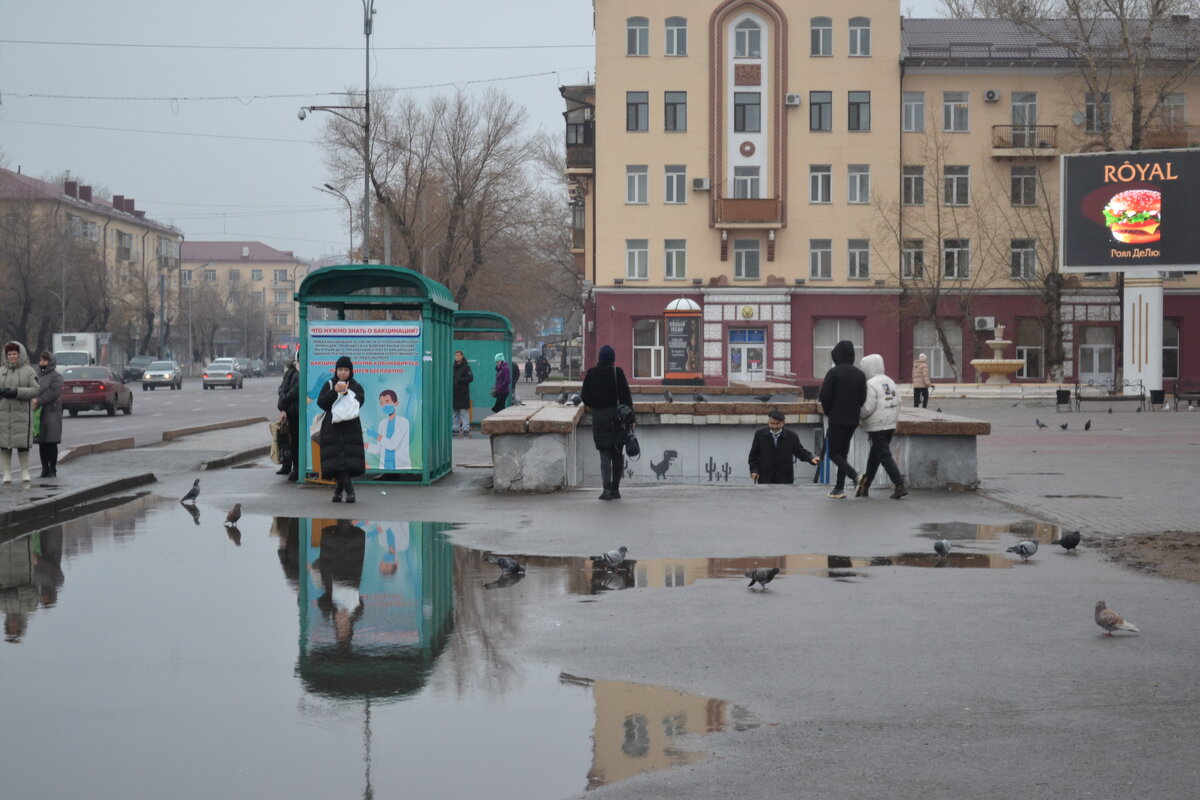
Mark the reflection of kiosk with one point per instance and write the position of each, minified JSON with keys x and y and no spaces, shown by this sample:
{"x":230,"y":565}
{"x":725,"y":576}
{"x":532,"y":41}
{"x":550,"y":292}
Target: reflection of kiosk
{"x":684,"y":356}
{"x":480,"y":335}
{"x":396,"y":326}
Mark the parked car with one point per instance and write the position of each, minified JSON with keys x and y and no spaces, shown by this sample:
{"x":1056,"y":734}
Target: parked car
{"x":163,"y":373}
{"x":135,"y":368}
{"x":257,"y":367}
{"x":95,"y":388}
{"x":222,"y":372}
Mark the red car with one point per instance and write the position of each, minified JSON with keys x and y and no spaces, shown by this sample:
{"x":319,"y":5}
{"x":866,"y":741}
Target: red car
{"x":88,"y":388}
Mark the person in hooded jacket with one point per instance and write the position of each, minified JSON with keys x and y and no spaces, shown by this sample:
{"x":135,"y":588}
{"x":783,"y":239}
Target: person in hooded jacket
{"x":49,"y":400}
{"x":502,"y":385}
{"x":461,"y":401}
{"x":604,"y":388}
{"x":842,"y":395}
{"x":18,"y":388}
{"x":921,"y":382}
{"x":343,"y":449}
{"x":289,"y":407}
{"x":879,"y":415}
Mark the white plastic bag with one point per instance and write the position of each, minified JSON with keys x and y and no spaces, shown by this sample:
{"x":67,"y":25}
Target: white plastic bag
{"x":345,"y":408}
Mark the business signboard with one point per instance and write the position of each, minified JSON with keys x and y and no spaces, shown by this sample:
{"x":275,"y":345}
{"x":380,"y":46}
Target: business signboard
{"x":1131,"y":212}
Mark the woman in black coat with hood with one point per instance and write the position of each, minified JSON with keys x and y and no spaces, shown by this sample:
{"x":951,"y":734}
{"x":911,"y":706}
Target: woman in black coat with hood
{"x":842,"y":395}
{"x":343,"y":452}
{"x":604,"y":387}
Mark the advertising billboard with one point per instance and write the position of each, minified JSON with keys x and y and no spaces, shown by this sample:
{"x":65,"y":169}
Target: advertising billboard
{"x":1130,"y":212}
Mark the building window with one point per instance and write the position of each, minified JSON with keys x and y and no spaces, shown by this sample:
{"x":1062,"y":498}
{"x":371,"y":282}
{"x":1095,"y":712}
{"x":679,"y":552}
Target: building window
{"x":210,"y":276}
{"x":256,"y":275}
{"x":747,"y":112}
{"x":913,"y":119}
{"x":822,"y":36}
{"x":1097,"y":116}
{"x":827,"y":333}
{"x":1029,"y":347}
{"x":747,"y":40}
{"x":956,"y":259}
{"x":912,"y":189}
{"x":1173,"y":111}
{"x":675,"y":259}
{"x":1023,"y":256}
{"x":1024,"y":186}
{"x":820,"y":259}
{"x":676,"y":37}
{"x":281,"y":296}
{"x":860,"y":36}
{"x":185,"y":277}
{"x":637,"y":36}
{"x":746,"y":183}
{"x":926,"y":340}
{"x":859,"y":261}
{"x":675,"y":190}
{"x":637,"y":180}
{"x":283,"y":321}
{"x":235,"y":275}
{"x":281,"y":275}
{"x":820,"y":111}
{"x":820,"y":183}
{"x":637,"y":259}
{"x":955,"y":112}
{"x":637,"y":111}
{"x":859,"y":111}
{"x":1170,"y":357}
{"x":124,"y":246}
{"x":912,"y":259}
{"x":859,"y":189}
{"x":957,"y":182}
{"x":647,"y":348}
{"x":745,"y":259}
{"x":675,"y":111}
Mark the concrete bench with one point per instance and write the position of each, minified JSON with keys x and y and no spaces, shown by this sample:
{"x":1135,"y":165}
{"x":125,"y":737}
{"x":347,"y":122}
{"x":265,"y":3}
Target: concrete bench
{"x":533,"y":446}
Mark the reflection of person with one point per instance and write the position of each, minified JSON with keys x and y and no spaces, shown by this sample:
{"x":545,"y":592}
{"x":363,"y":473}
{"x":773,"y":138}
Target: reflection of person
{"x":843,"y":393}
{"x":461,"y":401}
{"x":604,"y":387}
{"x":503,"y":383}
{"x":49,"y":400}
{"x":921,"y":382}
{"x":773,"y":450}
{"x":343,"y":455}
{"x":879,"y":415}
{"x":18,"y":389}
{"x":391,"y":435}
{"x":340,"y":565}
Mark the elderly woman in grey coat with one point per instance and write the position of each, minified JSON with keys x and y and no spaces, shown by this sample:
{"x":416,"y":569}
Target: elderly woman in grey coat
{"x":18,"y":388}
{"x":49,"y":400}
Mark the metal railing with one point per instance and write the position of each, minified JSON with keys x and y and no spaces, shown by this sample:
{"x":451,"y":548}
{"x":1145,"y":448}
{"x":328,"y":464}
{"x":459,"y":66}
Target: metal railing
{"x":1025,"y":137}
{"x":581,"y":155}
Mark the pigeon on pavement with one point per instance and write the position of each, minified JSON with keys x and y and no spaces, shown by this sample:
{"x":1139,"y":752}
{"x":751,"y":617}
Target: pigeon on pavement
{"x":613,"y":558}
{"x":1112,"y":621}
{"x":938,"y":410}
{"x":562,"y":399}
{"x":575,"y":399}
{"x":699,"y":398}
{"x":1139,"y":409}
{"x":1064,"y":425}
{"x":763,"y":398}
{"x":941,"y":547}
{"x":1087,"y":426}
{"x":667,"y":394}
{"x":1069,"y":541}
{"x":1110,"y":411}
{"x":762,"y":576}
{"x":505,"y":563}
{"x":192,"y":494}
{"x":1024,"y":549}
{"x":1041,"y":424}
{"x":234,"y":514}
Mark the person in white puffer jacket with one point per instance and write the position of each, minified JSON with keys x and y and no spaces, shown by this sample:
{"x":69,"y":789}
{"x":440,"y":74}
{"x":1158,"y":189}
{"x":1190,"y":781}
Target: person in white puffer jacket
{"x":879,"y":415}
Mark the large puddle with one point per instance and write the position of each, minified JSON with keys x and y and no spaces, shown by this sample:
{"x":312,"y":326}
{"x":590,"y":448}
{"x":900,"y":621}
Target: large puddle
{"x":153,"y":653}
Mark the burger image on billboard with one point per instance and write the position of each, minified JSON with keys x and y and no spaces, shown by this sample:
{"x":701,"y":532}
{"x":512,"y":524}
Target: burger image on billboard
{"x":1134,"y":216}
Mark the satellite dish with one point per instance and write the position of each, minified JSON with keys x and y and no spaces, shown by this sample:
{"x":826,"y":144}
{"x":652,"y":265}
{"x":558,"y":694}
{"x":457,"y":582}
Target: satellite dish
{"x":1078,"y":118}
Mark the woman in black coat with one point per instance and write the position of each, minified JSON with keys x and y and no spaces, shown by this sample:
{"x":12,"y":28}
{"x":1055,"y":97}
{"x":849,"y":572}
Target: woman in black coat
{"x":343,"y":453}
{"x":461,"y":400}
{"x":604,"y":387}
{"x":49,"y":400}
{"x":289,"y":405}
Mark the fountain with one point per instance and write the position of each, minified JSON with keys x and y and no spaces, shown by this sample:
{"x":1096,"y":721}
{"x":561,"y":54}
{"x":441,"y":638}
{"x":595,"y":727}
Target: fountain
{"x":998,"y":369}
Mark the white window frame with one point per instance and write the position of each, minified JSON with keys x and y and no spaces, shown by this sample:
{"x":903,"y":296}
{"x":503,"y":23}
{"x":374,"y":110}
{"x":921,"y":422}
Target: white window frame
{"x":956,"y":112}
{"x":913,"y":115}
{"x":956,"y":259}
{"x":747,"y":116}
{"x":925,"y":340}
{"x":912,"y":259}
{"x":283,"y":320}
{"x":675,"y":184}
{"x":860,"y":37}
{"x":1023,"y":186}
{"x":637,"y":36}
{"x":281,"y":275}
{"x":676,"y":44}
{"x":747,"y":36}
{"x":653,"y":351}
{"x":1170,"y":344}
{"x":820,"y":184}
{"x":637,"y":184}
{"x":858,"y":259}
{"x":827,"y":333}
{"x":747,"y":183}
{"x":674,"y":259}
{"x":1173,"y":111}
{"x":912,"y":186}
{"x":637,"y":259}
{"x":1023,"y":259}
{"x":1030,"y":352}
{"x":747,"y":259}
{"x":820,"y":37}
{"x":956,"y":185}
{"x":820,"y":259}
{"x":858,"y":190}
{"x":1092,"y":111}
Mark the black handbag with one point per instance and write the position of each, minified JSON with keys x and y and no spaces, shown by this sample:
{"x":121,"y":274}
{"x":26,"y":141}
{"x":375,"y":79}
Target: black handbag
{"x":632,"y":448}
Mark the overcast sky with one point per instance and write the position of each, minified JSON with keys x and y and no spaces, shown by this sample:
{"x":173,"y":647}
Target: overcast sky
{"x":132,"y":95}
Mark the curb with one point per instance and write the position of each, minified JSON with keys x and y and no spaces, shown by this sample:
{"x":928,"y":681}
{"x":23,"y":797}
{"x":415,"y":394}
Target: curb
{"x":215,"y":426}
{"x":26,"y":513}
{"x":97,"y":447}
{"x":233,"y":458}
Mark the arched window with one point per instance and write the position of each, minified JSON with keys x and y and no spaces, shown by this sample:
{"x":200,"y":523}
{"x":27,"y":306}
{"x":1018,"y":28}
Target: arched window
{"x":637,"y":36}
{"x":747,"y":39}
{"x":676,"y":36}
{"x":822,"y":36}
{"x":860,"y":36}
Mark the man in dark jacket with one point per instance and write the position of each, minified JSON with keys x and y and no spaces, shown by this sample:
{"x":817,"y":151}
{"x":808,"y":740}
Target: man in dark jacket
{"x":604,"y":389}
{"x":773,"y":450}
{"x":843,"y":393}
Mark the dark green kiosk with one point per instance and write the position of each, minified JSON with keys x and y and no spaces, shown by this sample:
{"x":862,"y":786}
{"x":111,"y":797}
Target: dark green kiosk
{"x":481,"y":335}
{"x":396,"y":325}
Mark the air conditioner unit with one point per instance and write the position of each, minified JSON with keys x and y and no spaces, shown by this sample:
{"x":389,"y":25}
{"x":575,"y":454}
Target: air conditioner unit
{"x":792,"y":99}
{"x":701,"y":184}
{"x":985,"y":323}
{"x":991,"y":96}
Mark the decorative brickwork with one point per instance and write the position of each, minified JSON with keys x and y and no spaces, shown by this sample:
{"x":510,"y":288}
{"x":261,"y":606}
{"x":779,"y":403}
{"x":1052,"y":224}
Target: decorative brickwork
{"x":747,"y":74}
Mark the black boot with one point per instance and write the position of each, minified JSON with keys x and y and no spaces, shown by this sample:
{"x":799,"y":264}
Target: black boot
{"x":350,"y":498}
{"x":618,"y":466}
{"x":606,"y":470}
{"x":337,"y":490}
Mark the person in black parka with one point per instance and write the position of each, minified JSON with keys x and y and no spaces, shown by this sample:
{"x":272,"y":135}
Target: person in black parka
{"x":774,"y":449}
{"x":604,"y":387}
{"x":343,"y":452}
{"x":289,"y":406}
{"x":49,"y":400}
{"x":461,"y":400}
{"x":842,"y":395}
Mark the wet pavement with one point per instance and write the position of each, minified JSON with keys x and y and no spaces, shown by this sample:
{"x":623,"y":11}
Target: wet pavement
{"x":886,"y":681}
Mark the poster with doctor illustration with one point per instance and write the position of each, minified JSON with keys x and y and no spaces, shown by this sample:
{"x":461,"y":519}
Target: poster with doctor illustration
{"x":387,"y":363}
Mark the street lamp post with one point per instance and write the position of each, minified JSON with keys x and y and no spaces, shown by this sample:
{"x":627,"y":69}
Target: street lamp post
{"x":328,"y":189}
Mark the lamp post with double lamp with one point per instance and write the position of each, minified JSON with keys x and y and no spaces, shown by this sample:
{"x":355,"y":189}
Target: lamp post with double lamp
{"x":328,"y":189}
{"x":365,"y":124}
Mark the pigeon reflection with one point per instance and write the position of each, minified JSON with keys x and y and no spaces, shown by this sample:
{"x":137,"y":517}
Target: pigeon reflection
{"x":611,"y":581}
{"x":194,"y":511}
{"x":505,"y":580}
{"x":234,"y":534}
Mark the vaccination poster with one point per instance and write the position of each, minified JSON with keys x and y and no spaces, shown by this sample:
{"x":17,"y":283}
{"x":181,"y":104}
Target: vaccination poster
{"x":387,"y":363}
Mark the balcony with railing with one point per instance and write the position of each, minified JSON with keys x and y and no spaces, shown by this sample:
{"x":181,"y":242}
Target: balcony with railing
{"x":581,"y":156}
{"x":1040,"y":141}
{"x":1171,"y":136}
{"x":765,"y":211}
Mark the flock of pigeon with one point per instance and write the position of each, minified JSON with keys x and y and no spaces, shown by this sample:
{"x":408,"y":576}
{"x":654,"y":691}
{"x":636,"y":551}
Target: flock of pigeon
{"x":188,"y":501}
{"x":1087,"y":426}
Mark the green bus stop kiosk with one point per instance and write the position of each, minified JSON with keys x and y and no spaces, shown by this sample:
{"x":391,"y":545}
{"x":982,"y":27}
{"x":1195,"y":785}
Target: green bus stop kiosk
{"x":396,"y":325}
{"x":481,"y":335}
